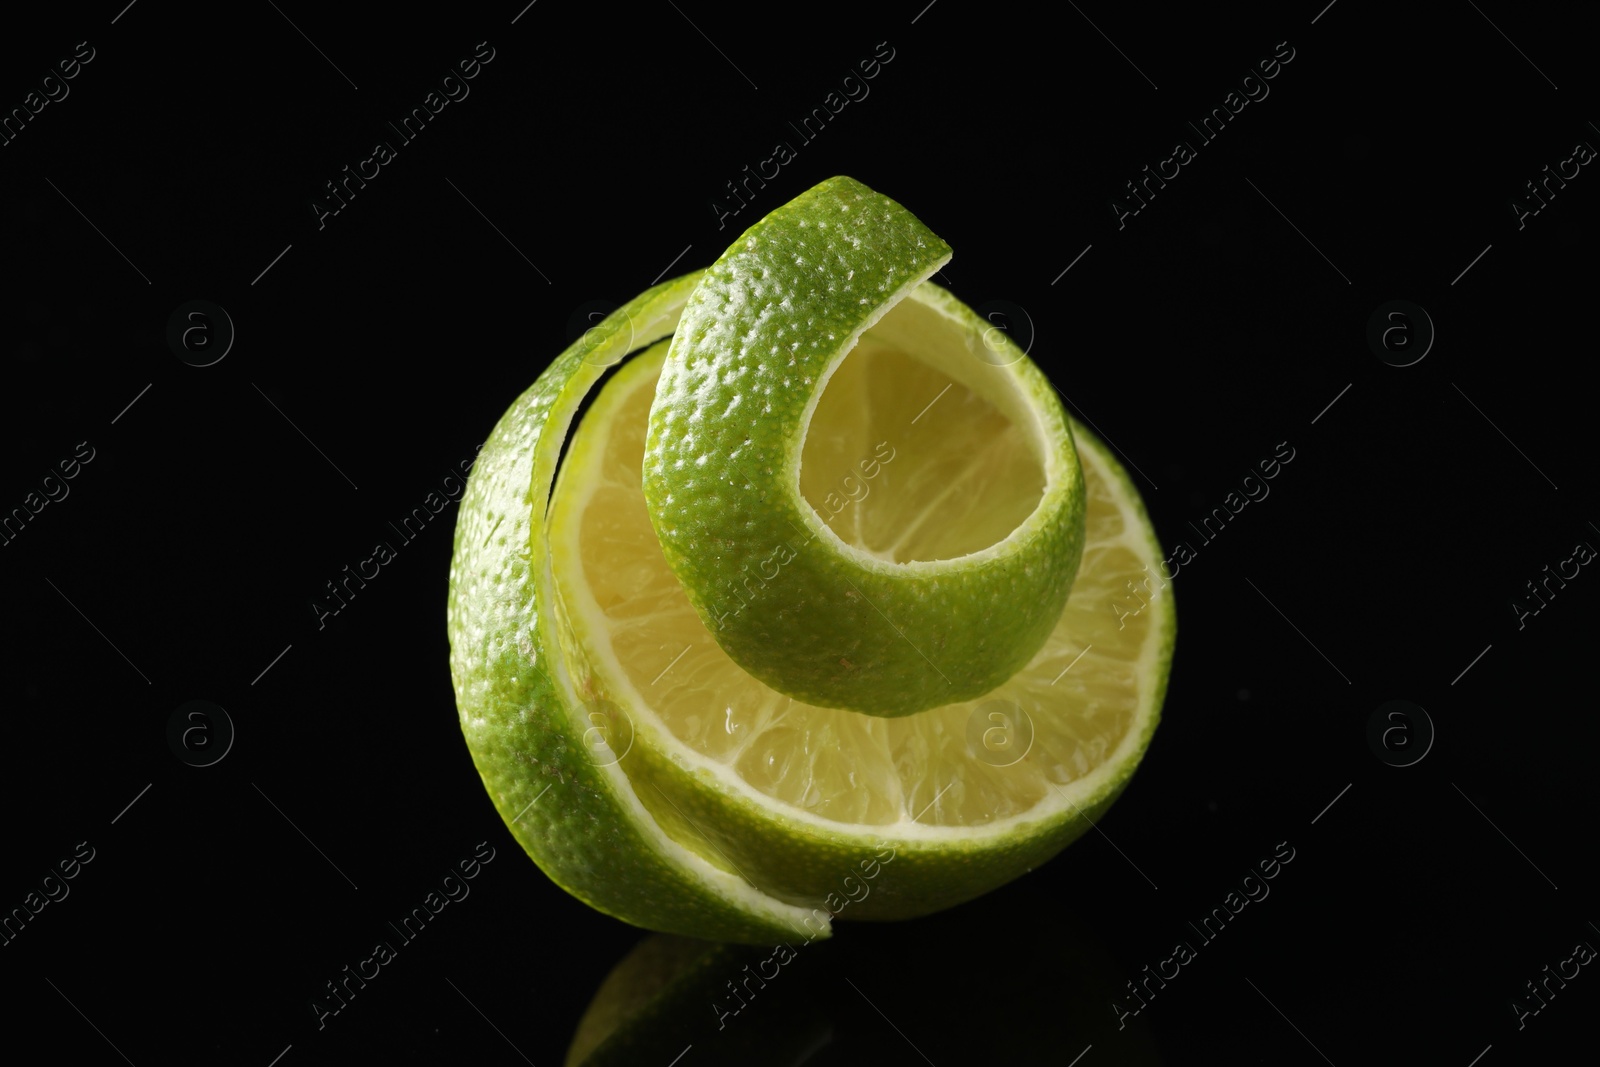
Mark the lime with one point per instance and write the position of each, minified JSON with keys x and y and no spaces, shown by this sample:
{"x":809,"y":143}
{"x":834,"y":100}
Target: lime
{"x":914,"y":624}
{"x":653,"y":777}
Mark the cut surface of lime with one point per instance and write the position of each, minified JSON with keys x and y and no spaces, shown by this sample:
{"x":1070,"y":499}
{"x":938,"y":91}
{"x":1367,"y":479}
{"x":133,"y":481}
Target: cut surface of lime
{"x":964,"y":796}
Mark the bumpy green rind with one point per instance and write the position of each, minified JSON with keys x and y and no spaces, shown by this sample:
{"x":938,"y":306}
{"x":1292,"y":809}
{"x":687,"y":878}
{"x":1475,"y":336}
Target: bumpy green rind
{"x":579,"y":819}
{"x":761,"y":334}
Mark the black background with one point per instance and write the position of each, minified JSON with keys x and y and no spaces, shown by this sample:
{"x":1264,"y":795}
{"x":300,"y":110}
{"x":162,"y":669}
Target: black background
{"x":373,"y":354}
